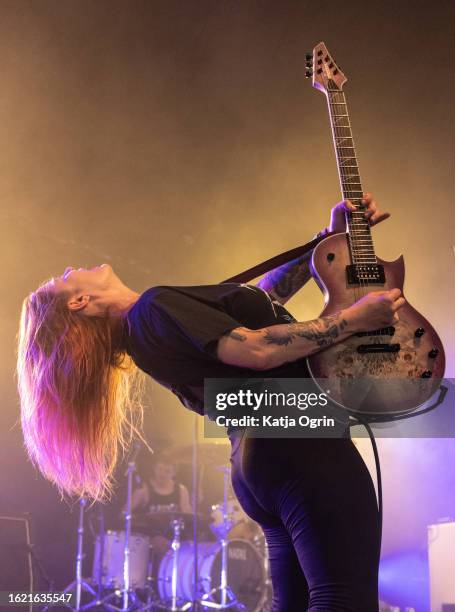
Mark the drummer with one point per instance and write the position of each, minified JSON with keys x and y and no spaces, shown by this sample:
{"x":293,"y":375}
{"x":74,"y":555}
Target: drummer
{"x":158,"y":494}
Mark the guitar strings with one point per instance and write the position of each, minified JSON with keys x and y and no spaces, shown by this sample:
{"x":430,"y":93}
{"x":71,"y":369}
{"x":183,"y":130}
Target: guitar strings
{"x":341,"y":170}
{"x":359,"y":241}
{"x":339,"y":154}
{"x":355,"y":238}
{"x":361,"y":244}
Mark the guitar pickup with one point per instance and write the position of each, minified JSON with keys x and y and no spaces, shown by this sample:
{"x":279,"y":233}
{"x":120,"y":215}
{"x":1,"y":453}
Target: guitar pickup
{"x":378,"y":348}
{"x":385,"y":331}
{"x":365,"y":274}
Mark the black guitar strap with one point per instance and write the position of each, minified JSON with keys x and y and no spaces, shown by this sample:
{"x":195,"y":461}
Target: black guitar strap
{"x":275,"y":262}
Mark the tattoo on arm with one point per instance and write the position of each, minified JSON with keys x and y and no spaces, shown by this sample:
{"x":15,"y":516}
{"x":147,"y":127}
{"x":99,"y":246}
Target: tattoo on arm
{"x":286,"y":280}
{"x":322,"y":332}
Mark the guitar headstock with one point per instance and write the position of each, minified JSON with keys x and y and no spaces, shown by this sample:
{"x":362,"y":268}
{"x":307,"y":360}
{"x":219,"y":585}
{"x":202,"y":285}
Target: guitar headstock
{"x":325,"y":72}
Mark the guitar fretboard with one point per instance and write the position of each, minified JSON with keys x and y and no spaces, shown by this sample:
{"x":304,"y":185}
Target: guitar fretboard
{"x":360,"y":239}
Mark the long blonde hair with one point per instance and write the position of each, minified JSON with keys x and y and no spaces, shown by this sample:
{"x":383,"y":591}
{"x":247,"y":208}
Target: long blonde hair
{"x":79,"y":392}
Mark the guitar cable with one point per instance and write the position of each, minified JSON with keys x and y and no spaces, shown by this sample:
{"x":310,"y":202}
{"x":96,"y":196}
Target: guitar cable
{"x":356,"y":420}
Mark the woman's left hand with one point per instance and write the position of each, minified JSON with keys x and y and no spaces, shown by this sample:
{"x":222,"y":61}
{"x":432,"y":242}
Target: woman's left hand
{"x":372,"y":213}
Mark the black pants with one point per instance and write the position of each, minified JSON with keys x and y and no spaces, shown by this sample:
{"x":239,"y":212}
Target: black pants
{"x":315,"y":501}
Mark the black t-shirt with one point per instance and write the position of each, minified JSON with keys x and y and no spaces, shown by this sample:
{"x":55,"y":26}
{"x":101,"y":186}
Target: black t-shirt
{"x":173,"y":333}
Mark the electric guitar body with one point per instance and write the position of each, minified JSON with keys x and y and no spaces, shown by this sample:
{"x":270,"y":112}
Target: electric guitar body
{"x":390,"y":371}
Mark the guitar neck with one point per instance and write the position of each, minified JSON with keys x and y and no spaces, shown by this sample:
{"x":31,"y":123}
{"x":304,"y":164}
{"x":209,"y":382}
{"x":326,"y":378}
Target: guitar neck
{"x":358,"y":228}
{"x":348,"y":169}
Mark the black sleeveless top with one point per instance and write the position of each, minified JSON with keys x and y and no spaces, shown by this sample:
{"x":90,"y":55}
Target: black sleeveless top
{"x":168,"y":502}
{"x":172,"y":333}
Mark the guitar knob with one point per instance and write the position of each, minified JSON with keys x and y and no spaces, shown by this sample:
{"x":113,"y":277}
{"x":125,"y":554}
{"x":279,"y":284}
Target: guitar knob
{"x":433,"y":353}
{"x":426,"y":374}
{"x":309,"y":57}
{"x":330,"y":256}
{"x":419,"y":332}
{"x":308,"y":74}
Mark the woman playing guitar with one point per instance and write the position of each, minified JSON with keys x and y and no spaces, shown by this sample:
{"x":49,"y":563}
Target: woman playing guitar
{"x":314,"y":498}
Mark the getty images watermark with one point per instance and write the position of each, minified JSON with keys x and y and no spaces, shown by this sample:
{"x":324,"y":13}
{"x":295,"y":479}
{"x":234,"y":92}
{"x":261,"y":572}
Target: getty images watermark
{"x":303,"y":407}
{"x":266,"y":400}
{"x":271,"y":408}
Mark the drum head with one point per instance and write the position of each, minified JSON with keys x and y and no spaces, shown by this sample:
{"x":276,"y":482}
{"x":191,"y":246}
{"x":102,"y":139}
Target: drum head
{"x":109,"y":569}
{"x":245,"y":573}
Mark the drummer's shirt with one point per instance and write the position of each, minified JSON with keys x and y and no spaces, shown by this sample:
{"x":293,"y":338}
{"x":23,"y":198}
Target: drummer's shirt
{"x":163,"y":502}
{"x":172,"y":334}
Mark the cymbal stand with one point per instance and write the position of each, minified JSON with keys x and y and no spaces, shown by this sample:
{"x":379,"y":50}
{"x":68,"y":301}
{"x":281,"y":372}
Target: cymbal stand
{"x":227,"y":596}
{"x":130,"y":601}
{"x":101,"y":538}
{"x":79,"y":584}
{"x":261,"y":545}
{"x":177,"y":527}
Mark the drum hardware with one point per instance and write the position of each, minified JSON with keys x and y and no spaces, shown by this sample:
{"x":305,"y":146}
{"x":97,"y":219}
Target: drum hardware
{"x":175,"y":601}
{"x":230,"y":571}
{"x":97,"y":573}
{"x":228,"y":598}
{"x":79,"y":584}
{"x":227,"y":514}
{"x":261,"y":546}
{"x":245,"y":575}
{"x":130,"y":600}
{"x":177,"y":526}
{"x":184,"y":560}
{"x":236,"y":526}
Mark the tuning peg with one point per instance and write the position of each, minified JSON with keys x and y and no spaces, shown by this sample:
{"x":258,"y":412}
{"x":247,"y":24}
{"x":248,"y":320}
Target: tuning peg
{"x":308,"y":74}
{"x":309,"y":57}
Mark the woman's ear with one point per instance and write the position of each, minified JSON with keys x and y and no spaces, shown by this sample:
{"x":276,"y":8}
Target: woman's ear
{"x":78,"y":303}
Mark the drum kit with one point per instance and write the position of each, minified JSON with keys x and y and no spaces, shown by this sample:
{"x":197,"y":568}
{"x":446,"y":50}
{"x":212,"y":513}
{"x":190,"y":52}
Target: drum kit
{"x":216,"y":560}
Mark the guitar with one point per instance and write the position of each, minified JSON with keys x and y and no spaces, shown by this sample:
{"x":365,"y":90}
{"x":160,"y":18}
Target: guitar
{"x":388,"y":371}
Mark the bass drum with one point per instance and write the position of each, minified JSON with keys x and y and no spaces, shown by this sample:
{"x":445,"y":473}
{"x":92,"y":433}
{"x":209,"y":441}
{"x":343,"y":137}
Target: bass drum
{"x":245,"y":573}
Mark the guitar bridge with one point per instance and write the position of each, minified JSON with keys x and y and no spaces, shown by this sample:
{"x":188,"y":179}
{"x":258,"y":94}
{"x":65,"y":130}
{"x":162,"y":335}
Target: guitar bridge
{"x":365,"y":274}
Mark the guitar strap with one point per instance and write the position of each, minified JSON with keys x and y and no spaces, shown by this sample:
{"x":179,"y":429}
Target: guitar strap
{"x":276,"y":262}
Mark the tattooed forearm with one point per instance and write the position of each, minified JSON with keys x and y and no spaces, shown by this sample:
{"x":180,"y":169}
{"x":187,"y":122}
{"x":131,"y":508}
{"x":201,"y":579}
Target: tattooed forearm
{"x":271,"y":346}
{"x":323,"y":332}
{"x":286,"y":280}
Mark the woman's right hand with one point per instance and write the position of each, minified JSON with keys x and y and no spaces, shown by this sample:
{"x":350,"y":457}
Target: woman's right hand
{"x":375,"y":310}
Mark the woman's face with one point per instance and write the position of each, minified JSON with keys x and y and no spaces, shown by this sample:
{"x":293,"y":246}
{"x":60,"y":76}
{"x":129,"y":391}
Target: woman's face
{"x":164,"y":471}
{"x":91,"y":290}
{"x":91,"y":280}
